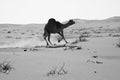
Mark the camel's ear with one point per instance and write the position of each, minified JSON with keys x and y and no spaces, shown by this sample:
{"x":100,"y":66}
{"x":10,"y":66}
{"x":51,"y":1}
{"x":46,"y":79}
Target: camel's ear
{"x":71,"y":20}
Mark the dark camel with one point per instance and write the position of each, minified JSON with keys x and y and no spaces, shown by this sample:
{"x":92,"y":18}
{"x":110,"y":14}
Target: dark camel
{"x":54,"y":26}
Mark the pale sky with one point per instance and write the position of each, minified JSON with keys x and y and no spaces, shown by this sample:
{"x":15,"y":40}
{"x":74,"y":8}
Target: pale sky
{"x":39,"y":11}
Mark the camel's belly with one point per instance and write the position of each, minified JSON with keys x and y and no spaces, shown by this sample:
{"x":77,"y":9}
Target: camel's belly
{"x":53,"y":31}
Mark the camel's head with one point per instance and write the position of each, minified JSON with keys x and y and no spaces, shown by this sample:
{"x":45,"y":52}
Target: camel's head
{"x":71,"y":21}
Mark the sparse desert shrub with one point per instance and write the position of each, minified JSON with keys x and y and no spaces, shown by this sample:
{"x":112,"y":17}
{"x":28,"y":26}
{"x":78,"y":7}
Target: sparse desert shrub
{"x":9,"y":31}
{"x":37,"y":32}
{"x":22,"y":33}
{"x":97,"y":31}
{"x":32,"y":34}
{"x":85,"y":32}
{"x":110,"y":34}
{"x":9,"y":37}
{"x":4,"y":29}
{"x":5,"y":67}
{"x":76,"y":41}
{"x":82,"y":38}
{"x":52,"y":72}
{"x":94,"y":61}
{"x":72,"y":47}
{"x":118,"y":44}
{"x":60,"y":71}
{"x":116,"y":35}
{"x":33,"y":49}
{"x":18,"y":37}
{"x":95,"y":56}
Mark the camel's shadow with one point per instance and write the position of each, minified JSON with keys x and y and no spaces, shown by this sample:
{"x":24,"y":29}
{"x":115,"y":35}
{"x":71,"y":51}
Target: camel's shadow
{"x":52,"y":46}
{"x":65,"y":46}
{"x":56,"y":46}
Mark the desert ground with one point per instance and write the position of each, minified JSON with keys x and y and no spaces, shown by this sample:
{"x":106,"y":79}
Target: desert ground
{"x":93,"y":52}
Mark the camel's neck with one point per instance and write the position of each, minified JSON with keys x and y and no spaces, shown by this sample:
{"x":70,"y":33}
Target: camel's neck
{"x":66,"y":25}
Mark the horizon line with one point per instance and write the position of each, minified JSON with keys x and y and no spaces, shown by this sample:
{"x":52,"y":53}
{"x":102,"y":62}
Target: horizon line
{"x":62,"y":21}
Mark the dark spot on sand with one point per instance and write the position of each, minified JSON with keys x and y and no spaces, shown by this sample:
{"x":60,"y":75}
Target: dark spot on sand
{"x":95,"y":72}
{"x":99,"y":62}
{"x":95,"y":56}
{"x":25,"y":49}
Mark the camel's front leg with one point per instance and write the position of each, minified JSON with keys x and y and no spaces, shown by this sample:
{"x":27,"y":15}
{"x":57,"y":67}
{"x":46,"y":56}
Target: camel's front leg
{"x":61,"y":33}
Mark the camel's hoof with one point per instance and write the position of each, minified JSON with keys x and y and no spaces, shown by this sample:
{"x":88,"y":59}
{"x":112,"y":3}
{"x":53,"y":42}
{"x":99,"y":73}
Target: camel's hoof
{"x":47,"y":46}
{"x":59,"y":41}
{"x":54,"y":44}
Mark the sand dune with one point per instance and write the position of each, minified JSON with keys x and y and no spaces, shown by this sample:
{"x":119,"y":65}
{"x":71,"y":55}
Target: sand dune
{"x":93,"y":52}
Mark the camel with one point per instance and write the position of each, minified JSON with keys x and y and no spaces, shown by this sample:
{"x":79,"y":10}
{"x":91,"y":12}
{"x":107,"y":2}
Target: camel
{"x":53,"y":27}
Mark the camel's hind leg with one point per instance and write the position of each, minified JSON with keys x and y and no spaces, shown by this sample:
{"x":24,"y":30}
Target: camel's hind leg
{"x":45,"y":36}
{"x":46,"y":40}
{"x":49,"y":38}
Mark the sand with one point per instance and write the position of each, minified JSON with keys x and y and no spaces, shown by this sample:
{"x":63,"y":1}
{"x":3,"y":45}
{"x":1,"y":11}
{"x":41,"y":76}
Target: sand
{"x":97,"y":58}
